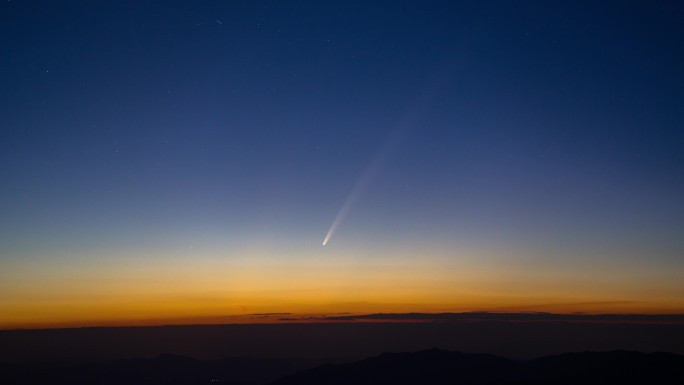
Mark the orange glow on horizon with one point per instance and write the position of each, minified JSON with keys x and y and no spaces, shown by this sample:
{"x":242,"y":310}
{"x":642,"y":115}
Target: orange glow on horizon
{"x":210,"y":290}
{"x":147,"y":314}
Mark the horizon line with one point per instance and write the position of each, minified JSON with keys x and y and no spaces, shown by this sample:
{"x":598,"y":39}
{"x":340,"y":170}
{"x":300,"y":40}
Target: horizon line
{"x":282,"y":318}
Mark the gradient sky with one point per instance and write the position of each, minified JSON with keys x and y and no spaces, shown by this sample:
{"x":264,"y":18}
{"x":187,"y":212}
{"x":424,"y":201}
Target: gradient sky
{"x":185,"y":159}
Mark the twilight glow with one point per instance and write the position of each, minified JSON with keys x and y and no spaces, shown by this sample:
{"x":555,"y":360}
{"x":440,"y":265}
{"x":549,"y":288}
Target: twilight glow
{"x":158,"y":166}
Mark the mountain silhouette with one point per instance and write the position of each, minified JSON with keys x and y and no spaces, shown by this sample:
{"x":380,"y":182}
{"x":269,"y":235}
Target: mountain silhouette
{"x":166,"y":369}
{"x":437,"y":367}
{"x":427,"y":367}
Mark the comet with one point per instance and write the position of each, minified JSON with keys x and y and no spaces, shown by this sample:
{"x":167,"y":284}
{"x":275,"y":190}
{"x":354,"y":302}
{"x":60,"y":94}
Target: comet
{"x":408,"y":121}
{"x":355,"y":193}
{"x":366,"y":178}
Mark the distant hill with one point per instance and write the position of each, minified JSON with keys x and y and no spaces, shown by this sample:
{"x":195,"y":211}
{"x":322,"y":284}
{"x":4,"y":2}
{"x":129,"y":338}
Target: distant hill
{"x":428,"y":367}
{"x":166,"y":369}
{"x":514,"y":335}
{"x":437,"y":367}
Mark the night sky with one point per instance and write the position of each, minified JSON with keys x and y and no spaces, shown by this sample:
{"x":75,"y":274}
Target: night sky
{"x":174,"y":160}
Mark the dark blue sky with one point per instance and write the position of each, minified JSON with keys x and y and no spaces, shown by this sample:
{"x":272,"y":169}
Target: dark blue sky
{"x":553,"y":131}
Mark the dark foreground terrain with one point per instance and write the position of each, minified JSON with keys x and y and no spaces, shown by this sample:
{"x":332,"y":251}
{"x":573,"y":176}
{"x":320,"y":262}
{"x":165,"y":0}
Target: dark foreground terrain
{"x":165,"y":369}
{"x":204,"y":354}
{"x":426,"y":367}
{"x":519,"y":336}
{"x":432,"y":367}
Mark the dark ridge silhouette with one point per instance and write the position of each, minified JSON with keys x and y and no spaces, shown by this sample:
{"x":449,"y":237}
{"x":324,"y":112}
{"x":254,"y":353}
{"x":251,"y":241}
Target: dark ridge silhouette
{"x":428,"y":367}
{"x":166,"y":369}
{"x":432,"y":366}
{"x":340,"y":340}
{"x":437,"y":367}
